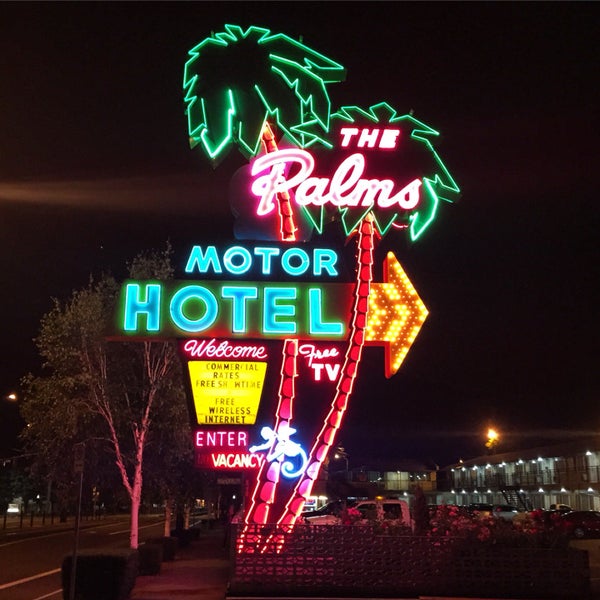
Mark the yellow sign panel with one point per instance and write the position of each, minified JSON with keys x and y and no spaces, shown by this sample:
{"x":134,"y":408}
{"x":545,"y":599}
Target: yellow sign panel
{"x":226,"y":393}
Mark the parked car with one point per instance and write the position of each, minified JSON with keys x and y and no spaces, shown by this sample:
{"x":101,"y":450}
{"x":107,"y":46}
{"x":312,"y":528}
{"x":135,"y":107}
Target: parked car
{"x":582,"y":523}
{"x":392,"y":509}
{"x":561,"y":508}
{"x":330,"y":509}
{"x":479,"y":509}
{"x":499,"y":511}
{"x":504,"y":511}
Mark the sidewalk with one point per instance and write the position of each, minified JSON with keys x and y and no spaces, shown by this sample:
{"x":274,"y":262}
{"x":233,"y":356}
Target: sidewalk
{"x":199,"y":571}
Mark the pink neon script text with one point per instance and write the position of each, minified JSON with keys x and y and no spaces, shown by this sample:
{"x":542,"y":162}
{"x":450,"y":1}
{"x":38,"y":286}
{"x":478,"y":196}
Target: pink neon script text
{"x":347,"y":187}
{"x":212,"y":349}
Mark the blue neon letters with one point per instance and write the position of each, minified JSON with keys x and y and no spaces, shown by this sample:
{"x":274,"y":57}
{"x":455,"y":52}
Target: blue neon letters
{"x":223,"y":308}
{"x":238,"y":260}
{"x":242,"y":308}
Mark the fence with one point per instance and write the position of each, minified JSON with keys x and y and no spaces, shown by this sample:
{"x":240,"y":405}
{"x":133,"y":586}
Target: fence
{"x":354,"y":561}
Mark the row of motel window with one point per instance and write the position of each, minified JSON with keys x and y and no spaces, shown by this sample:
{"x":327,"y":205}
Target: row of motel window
{"x":577,"y":471}
{"x":571,"y":472}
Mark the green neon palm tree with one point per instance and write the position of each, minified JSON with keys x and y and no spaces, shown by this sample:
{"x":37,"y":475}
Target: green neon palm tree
{"x":237,"y":80}
{"x":240,"y":86}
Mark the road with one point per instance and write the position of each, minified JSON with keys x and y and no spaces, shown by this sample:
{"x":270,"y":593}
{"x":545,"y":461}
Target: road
{"x":31,"y":558}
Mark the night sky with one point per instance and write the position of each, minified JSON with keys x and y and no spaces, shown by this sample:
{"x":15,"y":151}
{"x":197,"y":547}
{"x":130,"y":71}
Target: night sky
{"x":95,"y":166}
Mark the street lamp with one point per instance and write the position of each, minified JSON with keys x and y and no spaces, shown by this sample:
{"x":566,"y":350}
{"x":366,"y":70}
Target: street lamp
{"x":493,"y":437}
{"x":341,"y":454}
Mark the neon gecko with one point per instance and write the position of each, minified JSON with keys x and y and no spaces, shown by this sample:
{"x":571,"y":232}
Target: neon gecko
{"x":283,"y":447}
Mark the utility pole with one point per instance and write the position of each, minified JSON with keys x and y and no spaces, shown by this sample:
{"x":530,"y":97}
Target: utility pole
{"x":79,"y":460}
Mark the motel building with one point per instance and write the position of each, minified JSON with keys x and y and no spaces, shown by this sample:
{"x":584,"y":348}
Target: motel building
{"x":566,"y":473}
{"x":375,"y":479}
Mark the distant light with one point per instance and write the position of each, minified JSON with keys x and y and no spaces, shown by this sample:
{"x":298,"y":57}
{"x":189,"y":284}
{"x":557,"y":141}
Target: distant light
{"x":541,"y":490}
{"x":12,"y":397}
{"x":562,"y":489}
{"x":590,"y":489}
{"x":588,"y":453}
{"x":489,"y":491}
{"x":463,"y":492}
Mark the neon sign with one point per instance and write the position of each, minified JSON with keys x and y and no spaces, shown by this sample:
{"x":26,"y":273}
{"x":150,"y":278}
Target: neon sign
{"x":238,"y":260}
{"x":344,"y":188}
{"x":225,"y":449}
{"x":390,"y":171}
{"x":229,"y":438}
{"x":280,"y":448}
{"x":229,"y":460}
{"x":293,"y":94}
{"x":321,"y":361}
{"x":212,"y":348}
{"x":371,"y":170}
{"x":225,"y":309}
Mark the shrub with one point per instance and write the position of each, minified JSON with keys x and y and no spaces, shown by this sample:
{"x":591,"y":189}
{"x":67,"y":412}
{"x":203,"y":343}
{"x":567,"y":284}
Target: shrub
{"x":101,"y":574}
{"x":151,"y":556}
{"x":169,"y":546}
{"x":533,"y":530}
{"x":185,"y":536}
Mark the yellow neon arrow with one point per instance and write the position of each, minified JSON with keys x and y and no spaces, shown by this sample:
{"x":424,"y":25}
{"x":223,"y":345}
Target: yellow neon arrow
{"x":396,"y":314}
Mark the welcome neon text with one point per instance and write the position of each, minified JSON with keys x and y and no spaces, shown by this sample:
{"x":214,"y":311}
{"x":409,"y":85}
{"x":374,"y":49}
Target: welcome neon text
{"x":210,"y":348}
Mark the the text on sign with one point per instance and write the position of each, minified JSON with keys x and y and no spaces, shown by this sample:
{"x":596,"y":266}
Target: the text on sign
{"x":315,"y":359}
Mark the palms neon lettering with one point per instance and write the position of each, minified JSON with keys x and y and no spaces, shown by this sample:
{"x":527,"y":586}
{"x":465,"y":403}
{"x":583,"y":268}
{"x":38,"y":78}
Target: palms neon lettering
{"x":347,"y":187}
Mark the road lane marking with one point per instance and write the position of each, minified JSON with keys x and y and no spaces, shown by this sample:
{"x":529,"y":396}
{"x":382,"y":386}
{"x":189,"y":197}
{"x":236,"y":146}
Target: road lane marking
{"x":49,"y":595}
{"x":68,"y":531}
{"x":129,"y":530}
{"x":37,"y":537}
{"x":10,"y":584}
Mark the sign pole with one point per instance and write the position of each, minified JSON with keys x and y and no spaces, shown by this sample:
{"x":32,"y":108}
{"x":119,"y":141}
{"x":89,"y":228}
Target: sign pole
{"x":78,"y":469}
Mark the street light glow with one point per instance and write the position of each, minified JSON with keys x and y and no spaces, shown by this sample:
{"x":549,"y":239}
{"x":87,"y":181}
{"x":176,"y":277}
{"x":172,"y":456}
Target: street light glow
{"x":493,"y":437}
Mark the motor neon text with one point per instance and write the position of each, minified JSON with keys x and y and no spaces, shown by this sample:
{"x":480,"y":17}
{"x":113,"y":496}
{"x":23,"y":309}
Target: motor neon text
{"x":238,"y":260}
